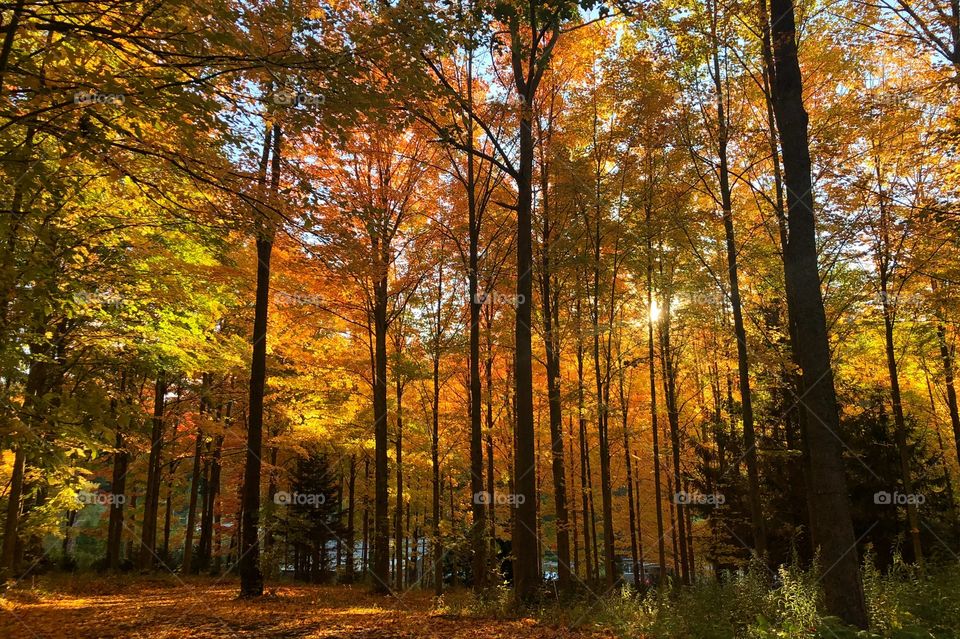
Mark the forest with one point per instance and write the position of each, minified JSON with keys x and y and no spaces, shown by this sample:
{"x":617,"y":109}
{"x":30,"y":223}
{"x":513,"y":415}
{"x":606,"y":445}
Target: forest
{"x":479,"y":318}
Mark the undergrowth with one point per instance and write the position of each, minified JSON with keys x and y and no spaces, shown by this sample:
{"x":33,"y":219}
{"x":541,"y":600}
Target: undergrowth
{"x":752,"y":604}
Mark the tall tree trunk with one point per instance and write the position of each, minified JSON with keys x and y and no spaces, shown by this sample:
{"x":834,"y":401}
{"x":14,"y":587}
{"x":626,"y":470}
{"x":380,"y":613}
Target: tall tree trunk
{"x":195,"y":482}
{"x":654,"y":427}
{"x":35,"y":388}
{"x":11,"y":531}
{"x":574,"y":530}
{"x":133,"y":526}
{"x":339,"y":523}
{"x":167,"y":514}
{"x":743,"y":361}
{"x":251,"y":578}
{"x":192,"y":508}
{"x":584,"y":451}
{"x":270,"y":511}
{"x":365,"y":553}
{"x":478,"y":533}
{"x":398,"y":508}
{"x":351,"y":531}
{"x":381,"y":518}
{"x":886,"y":266}
{"x":900,"y":424}
{"x":209,"y":523}
{"x":946,"y":357}
{"x":121,"y":460}
{"x":488,"y":373}
{"x":591,"y":500}
{"x":639,"y":511}
{"x":692,"y":577}
{"x":525,"y":571}
{"x":606,"y":497}
{"x":669,"y":374}
{"x":118,"y":490}
{"x":795,"y":417}
{"x":634,"y":554}
{"x":672,"y":510}
{"x":550,"y":312}
{"x":435,"y":461}
{"x":151,"y":501}
{"x":829,"y":503}
{"x":453,"y":514}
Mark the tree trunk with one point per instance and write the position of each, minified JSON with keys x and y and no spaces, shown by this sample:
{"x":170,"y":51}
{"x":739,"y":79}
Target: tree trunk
{"x":351,"y":507}
{"x":491,"y":487}
{"x":151,"y":501}
{"x":946,"y":357}
{"x":11,"y":528}
{"x":381,"y":519}
{"x":654,"y":427}
{"x":829,"y":503}
{"x":602,"y":382}
{"x":584,"y":453}
{"x":669,"y":375}
{"x":743,"y":362}
{"x":478,"y":533}
{"x":36,"y":386}
{"x":365,"y":553}
{"x":168,"y":512}
{"x":208,"y":524}
{"x":398,"y":508}
{"x":574,"y":530}
{"x":121,"y":459}
{"x":525,"y":571}
{"x":692,"y":577}
{"x":900,"y":424}
{"x":634,"y":554}
{"x":251,"y":578}
{"x":435,"y":461}
{"x":636,"y":492}
{"x":551,"y":327}
{"x":195,"y":483}
{"x":118,"y":490}
{"x":210,"y":521}
{"x":672,"y":510}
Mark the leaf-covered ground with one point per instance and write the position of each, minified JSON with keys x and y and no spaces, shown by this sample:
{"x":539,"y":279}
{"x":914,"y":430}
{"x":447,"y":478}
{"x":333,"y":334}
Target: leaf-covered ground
{"x":164,"y":609}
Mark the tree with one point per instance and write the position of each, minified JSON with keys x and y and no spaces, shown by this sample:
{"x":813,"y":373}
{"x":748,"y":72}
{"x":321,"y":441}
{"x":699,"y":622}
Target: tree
{"x":829,"y":504}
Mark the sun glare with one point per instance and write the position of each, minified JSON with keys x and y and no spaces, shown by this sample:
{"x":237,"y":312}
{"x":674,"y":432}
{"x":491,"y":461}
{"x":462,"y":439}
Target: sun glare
{"x":654,"y":310}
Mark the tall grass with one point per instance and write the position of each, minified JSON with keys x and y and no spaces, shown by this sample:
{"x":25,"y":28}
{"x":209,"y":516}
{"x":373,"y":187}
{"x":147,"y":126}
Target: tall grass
{"x":752,"y":604}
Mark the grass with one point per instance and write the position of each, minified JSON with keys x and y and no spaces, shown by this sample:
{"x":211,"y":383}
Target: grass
{"x":903,"y":604}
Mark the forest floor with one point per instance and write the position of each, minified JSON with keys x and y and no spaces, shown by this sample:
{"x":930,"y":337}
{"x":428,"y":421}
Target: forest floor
{"x":167,"y":608}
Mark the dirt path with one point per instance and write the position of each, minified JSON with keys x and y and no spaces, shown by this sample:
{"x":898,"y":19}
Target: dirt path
{"x":199,"y":608}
